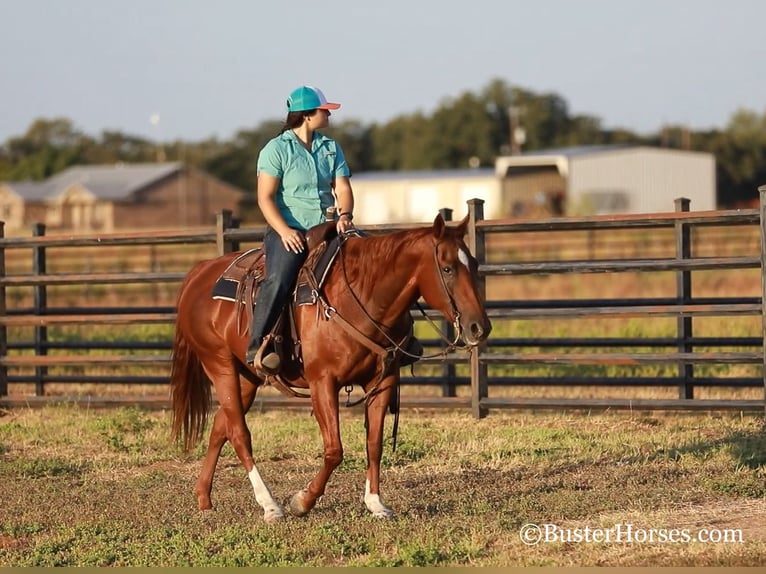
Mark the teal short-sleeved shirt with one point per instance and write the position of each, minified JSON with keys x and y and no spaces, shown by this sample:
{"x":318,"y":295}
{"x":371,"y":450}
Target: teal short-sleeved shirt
{"x":305,"y":188}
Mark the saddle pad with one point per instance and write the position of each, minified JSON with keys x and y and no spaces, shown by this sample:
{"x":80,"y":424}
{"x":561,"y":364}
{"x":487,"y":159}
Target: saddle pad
{"x":225,"y":289}
{"x":226,"y":286}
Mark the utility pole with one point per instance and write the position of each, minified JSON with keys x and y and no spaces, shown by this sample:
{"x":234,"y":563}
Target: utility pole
{"x":517,"y":134}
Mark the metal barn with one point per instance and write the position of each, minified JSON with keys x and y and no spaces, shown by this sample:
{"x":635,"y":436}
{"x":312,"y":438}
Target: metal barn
{"x":569,"y":181}
{"x":606,"y":179}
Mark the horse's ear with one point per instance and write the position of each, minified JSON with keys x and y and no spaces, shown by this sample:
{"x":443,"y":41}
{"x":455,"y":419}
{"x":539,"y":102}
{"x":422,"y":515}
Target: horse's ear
{"x":439,"y":226}
{"x":462,"y":227}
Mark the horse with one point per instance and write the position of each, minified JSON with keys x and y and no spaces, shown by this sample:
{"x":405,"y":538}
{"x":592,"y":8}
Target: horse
{"x":353,"y":335}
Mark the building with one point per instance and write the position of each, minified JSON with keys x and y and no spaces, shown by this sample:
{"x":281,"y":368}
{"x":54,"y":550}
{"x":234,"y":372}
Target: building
{"x":569,"y":181}
{"x":104,"y":198}
{"x":606,"y":179}
{"x":417,"y":196}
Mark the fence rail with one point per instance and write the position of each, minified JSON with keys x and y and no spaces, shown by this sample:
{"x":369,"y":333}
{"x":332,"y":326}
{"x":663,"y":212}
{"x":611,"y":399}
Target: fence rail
{"x":32,"y":302}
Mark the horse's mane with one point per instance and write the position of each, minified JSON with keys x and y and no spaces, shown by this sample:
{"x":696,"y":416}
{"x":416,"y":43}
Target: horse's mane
{"x":377,"y":252}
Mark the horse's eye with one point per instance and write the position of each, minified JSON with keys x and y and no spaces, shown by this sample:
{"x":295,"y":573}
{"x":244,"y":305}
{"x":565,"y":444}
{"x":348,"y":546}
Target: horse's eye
{"x":447,"y":269}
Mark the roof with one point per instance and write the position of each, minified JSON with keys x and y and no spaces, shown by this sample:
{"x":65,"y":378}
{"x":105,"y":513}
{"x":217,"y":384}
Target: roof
{"x":29,"y":190}
{"x":115,"y":181}
{"x":561,"y":157}
{"x":111,"y":182}
{"x":579,"y":150}
{"x":425,"y":174}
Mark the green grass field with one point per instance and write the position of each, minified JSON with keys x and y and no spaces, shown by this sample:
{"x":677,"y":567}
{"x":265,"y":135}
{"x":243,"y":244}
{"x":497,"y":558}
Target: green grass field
{"x":105,"y":488}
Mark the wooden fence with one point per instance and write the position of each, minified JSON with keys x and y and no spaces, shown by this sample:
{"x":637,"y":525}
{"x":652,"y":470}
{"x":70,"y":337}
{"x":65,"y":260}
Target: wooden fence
{"x":492,"y":377}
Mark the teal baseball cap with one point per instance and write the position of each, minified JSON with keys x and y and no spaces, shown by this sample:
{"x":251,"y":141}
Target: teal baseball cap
{"x":308,"y":98}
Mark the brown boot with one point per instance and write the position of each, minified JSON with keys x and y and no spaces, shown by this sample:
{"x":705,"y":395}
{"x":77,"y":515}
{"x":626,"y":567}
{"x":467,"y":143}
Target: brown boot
{"x":264,"y":359}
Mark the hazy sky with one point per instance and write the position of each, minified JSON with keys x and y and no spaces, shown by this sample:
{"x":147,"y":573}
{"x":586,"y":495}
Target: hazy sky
{"x":211,"y":67}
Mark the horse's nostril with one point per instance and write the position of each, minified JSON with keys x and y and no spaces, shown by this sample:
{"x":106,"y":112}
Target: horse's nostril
{"x":476,"y":330}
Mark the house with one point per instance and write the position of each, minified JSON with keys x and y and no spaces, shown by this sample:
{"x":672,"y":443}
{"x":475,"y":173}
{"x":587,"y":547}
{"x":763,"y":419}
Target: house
{"x":105,"y":198}
{"x":582,"y":180}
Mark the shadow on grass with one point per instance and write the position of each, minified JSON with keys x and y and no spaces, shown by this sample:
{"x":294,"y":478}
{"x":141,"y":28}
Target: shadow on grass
{"x":747,"y":448}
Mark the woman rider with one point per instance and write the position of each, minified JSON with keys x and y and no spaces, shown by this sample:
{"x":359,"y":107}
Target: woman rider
{"x":297,"y":173}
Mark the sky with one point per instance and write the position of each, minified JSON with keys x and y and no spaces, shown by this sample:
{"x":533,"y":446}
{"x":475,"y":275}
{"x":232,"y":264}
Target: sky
{"x":195,"y":69}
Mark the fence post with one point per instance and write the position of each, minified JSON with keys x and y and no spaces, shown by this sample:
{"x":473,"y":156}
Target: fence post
{"x":684,"y":295}
{"x":476,"y":243}
{"x":222,"y":223}
{"x":39,"y":267}
{"x":448,"y":371}
{"x":762,"y":192}
{"x":3,"y":328}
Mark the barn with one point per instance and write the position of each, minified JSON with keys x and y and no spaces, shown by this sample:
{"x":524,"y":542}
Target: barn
{"x":583,"y":180}
{"x":105,"y":198}
{"x":605,"y":179}
{"x":416,"y":196}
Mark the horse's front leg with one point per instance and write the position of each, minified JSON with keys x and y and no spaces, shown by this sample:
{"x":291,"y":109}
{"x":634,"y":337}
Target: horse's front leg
{"x":375,"y":414}
{"x":324,"y":400}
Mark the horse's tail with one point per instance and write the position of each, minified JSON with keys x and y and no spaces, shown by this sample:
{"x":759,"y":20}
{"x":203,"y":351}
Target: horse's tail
{"x":190,"y":394}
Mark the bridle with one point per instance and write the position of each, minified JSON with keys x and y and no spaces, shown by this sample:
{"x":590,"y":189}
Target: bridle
{"x":398,"y":346}
{"x":388,"y":354}
{"x":451,"y":345}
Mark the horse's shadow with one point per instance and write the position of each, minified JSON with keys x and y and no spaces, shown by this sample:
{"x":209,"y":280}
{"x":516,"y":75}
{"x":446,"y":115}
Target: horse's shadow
{"x":746,"y":447}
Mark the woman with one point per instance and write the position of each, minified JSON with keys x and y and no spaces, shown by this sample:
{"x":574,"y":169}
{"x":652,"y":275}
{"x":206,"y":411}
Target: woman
{"x":297,"y":173}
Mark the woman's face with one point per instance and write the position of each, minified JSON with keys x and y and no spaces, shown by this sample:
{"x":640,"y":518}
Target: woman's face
{"x":319,"y":119}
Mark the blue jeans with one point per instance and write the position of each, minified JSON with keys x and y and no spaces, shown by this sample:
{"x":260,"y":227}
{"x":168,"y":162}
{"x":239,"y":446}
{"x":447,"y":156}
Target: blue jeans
{"x":282,"y":267}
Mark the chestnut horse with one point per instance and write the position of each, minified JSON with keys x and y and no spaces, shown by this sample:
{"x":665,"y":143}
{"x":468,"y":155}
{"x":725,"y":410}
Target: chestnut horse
{"x":353,"y":336}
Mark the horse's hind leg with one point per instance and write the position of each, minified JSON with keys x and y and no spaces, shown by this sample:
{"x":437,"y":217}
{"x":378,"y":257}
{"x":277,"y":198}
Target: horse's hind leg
{"x":235,"y":396}
{"x":218,"y":438}
{"x":375,"y":414}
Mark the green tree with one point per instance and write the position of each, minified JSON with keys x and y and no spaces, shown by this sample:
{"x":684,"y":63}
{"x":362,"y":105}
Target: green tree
{"x":461,"y":130}
{"x":402,"y":144}
{"x":48,"y":146}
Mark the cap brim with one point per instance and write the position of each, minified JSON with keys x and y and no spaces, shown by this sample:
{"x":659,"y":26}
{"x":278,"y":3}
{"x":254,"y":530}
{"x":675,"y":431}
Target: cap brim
{"x":329,"y":106}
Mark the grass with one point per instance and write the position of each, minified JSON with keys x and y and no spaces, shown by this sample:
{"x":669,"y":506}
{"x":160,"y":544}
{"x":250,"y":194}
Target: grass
{"x":105,"y":488}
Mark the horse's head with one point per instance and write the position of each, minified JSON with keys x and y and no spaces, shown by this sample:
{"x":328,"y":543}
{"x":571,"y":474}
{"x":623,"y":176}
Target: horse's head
{"x":448,"y":282}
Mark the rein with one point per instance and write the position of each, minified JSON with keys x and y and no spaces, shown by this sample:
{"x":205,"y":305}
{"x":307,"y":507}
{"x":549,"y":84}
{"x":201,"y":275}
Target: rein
{"x":387,"y":353}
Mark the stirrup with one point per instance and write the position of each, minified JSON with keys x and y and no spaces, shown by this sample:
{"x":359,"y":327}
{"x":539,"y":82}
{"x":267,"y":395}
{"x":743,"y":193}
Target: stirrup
{"x":267,"y":362}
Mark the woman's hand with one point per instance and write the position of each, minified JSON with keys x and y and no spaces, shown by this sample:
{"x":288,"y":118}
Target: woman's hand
{"x":293,"y":240}
{"x":344,"y":223}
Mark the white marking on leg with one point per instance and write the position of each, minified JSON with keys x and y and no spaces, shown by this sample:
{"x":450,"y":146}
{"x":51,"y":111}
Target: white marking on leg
{"x":374,"y":504}
{"x":271,"y":510}
{"x":463,"y":257}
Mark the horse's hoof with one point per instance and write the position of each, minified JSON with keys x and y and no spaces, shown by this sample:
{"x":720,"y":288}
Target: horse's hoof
{"x":384,"y":512}
{"x":376,"y":506}
{"x":203,"y":503}
{"x":272,"y":514}
{"x":297,"y":505}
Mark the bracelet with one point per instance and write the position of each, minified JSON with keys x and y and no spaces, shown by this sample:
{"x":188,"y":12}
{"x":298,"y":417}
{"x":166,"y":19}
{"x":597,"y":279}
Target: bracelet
{"x":347,"y":214}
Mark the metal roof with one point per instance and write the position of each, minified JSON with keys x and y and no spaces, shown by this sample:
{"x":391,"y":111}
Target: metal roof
{"x":29,"y":190}
{"x":111,"y":182}
{"x":425,"y":174}
{"x":578,"y":150}
{"x":116,"y":181}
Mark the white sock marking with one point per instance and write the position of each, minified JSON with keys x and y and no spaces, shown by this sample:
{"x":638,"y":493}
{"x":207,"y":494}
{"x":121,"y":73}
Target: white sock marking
{"x":263,"y":496}
{"x":374,"y":504}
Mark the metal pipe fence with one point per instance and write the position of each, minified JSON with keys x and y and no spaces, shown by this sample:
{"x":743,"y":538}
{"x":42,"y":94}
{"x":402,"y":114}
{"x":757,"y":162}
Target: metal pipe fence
{"x":40,"y":310}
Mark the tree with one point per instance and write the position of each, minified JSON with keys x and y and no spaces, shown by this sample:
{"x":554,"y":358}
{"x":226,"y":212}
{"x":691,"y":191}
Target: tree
{"x":48,"y":146}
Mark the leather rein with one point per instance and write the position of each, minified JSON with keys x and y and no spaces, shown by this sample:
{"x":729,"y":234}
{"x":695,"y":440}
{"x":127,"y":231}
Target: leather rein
{"x":387,"y":354}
